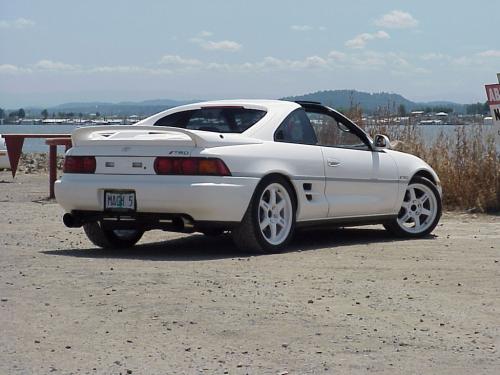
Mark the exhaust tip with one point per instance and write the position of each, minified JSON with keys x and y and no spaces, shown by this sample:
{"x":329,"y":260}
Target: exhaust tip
{"x":71,"y":221}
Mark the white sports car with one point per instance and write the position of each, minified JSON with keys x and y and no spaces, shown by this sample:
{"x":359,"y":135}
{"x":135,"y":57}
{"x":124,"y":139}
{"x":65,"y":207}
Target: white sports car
{"x":4,"y":159}
{"x":256,"y":168}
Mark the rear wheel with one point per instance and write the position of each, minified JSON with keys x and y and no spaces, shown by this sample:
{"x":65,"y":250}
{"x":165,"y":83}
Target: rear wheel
{"x":111,"y":238}
{"x":420,"y":211}
{"x":269,"y":221}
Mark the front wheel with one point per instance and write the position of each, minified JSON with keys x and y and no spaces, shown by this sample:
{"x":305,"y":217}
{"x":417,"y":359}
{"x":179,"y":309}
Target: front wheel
{"x":420,"y":211}
{"x":269,"y":221}
{"x":111,"y":238}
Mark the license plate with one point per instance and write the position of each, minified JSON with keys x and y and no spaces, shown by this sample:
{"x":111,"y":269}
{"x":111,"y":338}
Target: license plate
{"x":119,"y":200}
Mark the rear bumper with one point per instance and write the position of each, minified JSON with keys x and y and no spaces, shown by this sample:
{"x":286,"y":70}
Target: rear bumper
{"x":202,"y":198}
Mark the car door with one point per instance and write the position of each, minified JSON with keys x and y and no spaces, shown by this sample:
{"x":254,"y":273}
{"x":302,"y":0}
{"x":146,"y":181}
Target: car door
{"x":359,"y":181}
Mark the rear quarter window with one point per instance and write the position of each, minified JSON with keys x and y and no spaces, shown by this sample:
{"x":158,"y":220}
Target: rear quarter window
{"x":214,"y":119}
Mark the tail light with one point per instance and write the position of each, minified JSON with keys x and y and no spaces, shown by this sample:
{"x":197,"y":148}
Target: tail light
{"x":79,"y":164}
{"x":191,"y":166}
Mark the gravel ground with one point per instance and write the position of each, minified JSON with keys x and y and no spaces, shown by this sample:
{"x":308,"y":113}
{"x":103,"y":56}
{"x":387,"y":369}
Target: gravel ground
{"x":339,"y":302}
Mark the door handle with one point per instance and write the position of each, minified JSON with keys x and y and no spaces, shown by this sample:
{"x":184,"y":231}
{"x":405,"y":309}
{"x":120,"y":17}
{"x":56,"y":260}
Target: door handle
{"x":333,"y":163}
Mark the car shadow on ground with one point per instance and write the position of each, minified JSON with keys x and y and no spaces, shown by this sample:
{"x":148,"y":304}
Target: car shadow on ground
{"x":198,"y":247}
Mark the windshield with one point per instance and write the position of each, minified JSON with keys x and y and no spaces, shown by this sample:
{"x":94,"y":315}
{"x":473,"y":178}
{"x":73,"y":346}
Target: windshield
{"x":214,"y":119}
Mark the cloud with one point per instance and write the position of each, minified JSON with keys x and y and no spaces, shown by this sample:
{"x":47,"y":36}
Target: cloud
{"x":122,"y":69}
{"x":205,"y":34}
{"x":489,"y":53}
{"x":19,"y":23}
{"x":176,"y":60}
{"x":13,"y":69}
{"x":223,"y":45}
{"x":336,"y":55}
{"x":434,"y":56}
{"x":360,"y":40}
{"x":301,"y":27}
{"x":305,"y":28}
{"x":50,"y":65}
{"x":397,"y":20}
{"x":356,"y":60}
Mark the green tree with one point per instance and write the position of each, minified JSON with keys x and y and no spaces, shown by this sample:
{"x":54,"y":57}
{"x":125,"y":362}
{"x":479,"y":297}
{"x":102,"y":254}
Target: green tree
{"x":2,"y":113}
{"x":45,"y":114}
{"x":21,"y":113}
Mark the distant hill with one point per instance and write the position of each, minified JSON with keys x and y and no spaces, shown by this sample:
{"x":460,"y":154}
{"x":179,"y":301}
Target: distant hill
{"x":144,"y":108}
{"x":339,"y":99}
{"x":370,"y":102}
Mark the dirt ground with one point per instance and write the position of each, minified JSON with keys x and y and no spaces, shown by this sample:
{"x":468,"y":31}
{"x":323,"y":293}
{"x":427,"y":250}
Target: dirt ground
{"x":338,"y":302}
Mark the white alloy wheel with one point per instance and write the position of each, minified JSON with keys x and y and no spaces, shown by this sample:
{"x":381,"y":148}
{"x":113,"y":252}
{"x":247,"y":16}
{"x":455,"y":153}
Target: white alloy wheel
{"x":269,"y":222}
{"x":419,"y":209}
{"x":275,"y":214}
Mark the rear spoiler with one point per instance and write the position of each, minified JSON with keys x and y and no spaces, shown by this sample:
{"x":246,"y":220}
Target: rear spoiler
{"x":121,"y":133}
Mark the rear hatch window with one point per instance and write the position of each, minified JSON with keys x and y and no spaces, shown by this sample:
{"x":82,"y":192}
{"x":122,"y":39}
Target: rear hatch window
{"x":214,"y":119}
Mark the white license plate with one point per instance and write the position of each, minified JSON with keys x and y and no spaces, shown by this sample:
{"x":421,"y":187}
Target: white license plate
{"x":119,"y":200}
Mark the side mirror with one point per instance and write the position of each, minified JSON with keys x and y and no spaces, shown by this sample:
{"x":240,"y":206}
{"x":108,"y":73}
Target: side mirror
{"x":381,"y":142}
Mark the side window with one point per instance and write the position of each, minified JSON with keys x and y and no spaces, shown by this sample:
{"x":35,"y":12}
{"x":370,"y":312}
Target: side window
{"x":296,"y":128}
{"x":333,"y":133}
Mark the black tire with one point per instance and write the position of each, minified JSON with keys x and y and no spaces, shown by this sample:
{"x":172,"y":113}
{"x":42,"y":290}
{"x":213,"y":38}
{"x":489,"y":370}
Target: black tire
{"x":396,"y":226}
{"x":109,"y":238}
{"x":248,"y":235}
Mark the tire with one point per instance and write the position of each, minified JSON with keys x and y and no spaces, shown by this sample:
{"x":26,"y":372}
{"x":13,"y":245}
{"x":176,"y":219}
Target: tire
{"x":269,"y":222}
{"x":420,"y":211}
{"x":111,"y":238}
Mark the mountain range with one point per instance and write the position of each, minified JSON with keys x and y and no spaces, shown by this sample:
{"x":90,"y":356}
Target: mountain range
{"x":339,"y":99}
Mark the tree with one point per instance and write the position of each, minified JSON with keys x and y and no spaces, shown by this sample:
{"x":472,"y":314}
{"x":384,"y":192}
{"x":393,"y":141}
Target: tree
{"x":21,"y":113}
{"x":45,"y":114}
{"x":2,"y":113}
{"x":401,"y":110}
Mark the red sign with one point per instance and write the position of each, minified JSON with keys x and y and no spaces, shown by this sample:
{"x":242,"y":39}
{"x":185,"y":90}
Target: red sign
{"x":493,"y":93}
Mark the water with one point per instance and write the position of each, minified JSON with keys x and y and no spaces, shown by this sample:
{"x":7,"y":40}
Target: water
{"x":429,"y":133}
{"x":37,"y":144}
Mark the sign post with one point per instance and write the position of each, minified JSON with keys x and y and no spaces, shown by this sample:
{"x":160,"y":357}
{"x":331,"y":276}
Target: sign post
{"x":493,"y":94}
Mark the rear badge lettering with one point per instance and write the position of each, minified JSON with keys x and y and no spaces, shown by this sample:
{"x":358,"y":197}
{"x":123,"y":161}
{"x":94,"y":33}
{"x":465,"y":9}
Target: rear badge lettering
{"x":179,"y":153}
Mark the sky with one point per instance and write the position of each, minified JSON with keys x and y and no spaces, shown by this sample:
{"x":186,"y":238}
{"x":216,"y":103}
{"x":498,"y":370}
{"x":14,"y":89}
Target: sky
{"x":58,"y":51}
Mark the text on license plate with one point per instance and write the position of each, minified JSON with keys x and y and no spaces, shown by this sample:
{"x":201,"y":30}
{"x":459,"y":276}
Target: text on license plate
{"x":119,"y":200}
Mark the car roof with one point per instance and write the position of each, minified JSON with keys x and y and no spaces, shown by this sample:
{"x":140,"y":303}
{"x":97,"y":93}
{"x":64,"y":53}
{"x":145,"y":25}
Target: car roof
{"x":266,"y":104}
{"x":276,"y":110}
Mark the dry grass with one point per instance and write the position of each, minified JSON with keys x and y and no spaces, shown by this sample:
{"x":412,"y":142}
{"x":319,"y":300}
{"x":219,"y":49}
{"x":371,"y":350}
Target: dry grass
{"x":467,"y":163}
